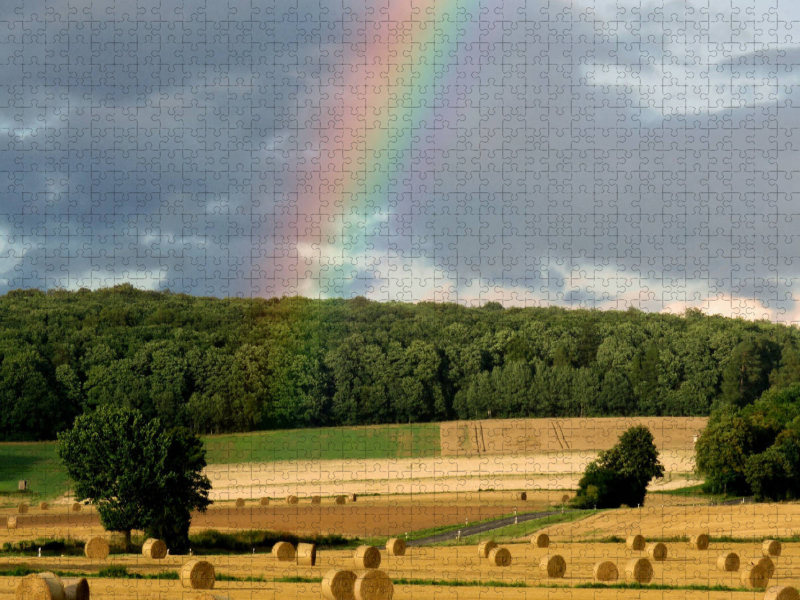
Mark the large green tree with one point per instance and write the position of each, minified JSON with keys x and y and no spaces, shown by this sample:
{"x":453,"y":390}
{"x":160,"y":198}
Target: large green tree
{"x":621,"y":474}
{"x":139,"y":475}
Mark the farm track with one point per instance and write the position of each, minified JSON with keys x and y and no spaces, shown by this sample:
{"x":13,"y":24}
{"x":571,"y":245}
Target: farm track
{"x":468,"y":530}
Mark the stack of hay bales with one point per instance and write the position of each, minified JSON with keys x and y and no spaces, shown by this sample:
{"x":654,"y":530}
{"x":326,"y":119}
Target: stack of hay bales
{"x":729,"y":561}
{"x":283,"y":551}
{"x":485,"y":547}
{"x":240,"y":503}
{"x":771,"y":548}
{"x":657,"y":551}
{"x":41,"y":586}
{"x":198,"y":575}
{"x":23,"y":508}
{"x":781,"y":592}
{"x":43,"y":506}
{"x":499,"y":557}
{"x":264,"y":501}
{"x":338,"y":584}
{"x":605,"y":571}
{"x":292,"y":500}
{"x":76,"y":588}
{"x":638,"y":570}
{"x":367,"y":557}
{"x":76,"y":507}
{"x":316,"y":500}
{"x":755,"y":574}
{"x":395,"y":547}
{"x":340,"y":499}
{"x":306,"y":555}
{"x":155,"y":549}
{"x":541,"y":540}
{"x":553,"y":566}
{"x":373,"y":585}
{"x":699,"y":541}
{"x":96,"y":548}
{"x":635,"y":542}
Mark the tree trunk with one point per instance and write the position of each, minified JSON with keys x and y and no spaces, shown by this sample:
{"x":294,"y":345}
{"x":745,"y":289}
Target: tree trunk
{"x":127,"y":540}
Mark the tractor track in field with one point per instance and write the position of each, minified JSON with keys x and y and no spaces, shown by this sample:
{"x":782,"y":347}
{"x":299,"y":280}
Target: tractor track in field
{"x":468,"y":530}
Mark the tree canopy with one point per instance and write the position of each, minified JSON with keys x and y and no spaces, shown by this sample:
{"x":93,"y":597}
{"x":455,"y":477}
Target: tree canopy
{"x":225,"y":365}
{"x":621,"y":474}
{"x":139,"y":475}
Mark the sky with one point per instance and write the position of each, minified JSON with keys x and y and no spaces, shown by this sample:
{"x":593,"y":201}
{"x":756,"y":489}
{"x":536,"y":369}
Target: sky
{"x":579,"y":154}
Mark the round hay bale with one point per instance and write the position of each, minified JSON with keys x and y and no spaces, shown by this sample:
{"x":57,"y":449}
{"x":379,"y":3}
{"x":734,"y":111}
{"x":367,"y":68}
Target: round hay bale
{"x":485,"y":547}
{"x":264,"y":501}
{"x":76,"y":588}
{"x":638,"y":570}
{"x":635,"y":542}
{"x":373,"y":585}
{"x":699,"y":541}
{"x":499,"y":557}
{"x":565,"y":498}
{"x":23,"y":508}
{"x":340,"y":500}
{"x":553,"y":565}
{"x":766,"y":564}
{"x":96,"y":548}
{"x":41,"y":586}
{"x":43,"y":506}
{"x":781,"y":592}
{"x":728,"y":562}
{"x":338,"y":585}
{"x":198,"y":575}
{"x":11,"y":522}
{"x":240,"y":503}
{"x":395,"y":547}
{"x":771,"y":548}
{"x":522,"y":496}
{"x":76,"y":507}
{"x":605,"y":571}
{"x":155,"y":549}
{"x":292,"y":500}
{"x":754,"y":575}
{"x":283,"y":551}
{"x":541,"y":540}
{"x":306,"y":555}
{"x":353,"y":497}
{"x":657,"y":551}
{"x":316,"y":500}
{"x":367,"y":557}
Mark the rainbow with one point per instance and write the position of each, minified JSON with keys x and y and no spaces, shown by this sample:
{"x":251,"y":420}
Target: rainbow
{"x":368,"y":128}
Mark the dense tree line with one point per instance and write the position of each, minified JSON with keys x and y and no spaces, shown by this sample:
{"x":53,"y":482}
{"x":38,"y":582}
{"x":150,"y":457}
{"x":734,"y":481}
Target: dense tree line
{"x":217,"y":365}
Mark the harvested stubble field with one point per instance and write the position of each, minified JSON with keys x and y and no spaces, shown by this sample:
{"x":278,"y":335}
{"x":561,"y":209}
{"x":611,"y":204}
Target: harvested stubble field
{"x":551,"y":470}
{"x":684,"y":567}
{"x":739,"y":520}
{"x":369,"y":516}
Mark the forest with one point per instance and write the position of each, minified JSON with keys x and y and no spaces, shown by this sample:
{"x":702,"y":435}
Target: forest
{"x":239,"y":364}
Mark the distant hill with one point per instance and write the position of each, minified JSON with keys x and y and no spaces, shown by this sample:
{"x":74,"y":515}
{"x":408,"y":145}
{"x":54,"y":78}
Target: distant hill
{"x":228,"y":365}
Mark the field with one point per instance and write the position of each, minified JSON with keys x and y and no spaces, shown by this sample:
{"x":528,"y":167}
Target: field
{"x":415,"y":480}
{"x":428,"y":572}
{"x":422,"y":458}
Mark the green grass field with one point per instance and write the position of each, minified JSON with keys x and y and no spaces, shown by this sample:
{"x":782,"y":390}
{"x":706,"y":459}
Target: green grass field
{"x":339,"y":443}
{"x":38,"y":462}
